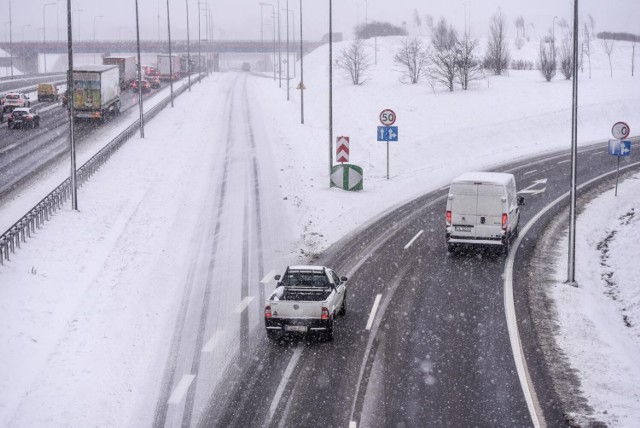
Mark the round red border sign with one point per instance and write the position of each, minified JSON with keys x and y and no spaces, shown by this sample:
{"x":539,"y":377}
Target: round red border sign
{"x":387,"y":117}
{"x":620,"y":130}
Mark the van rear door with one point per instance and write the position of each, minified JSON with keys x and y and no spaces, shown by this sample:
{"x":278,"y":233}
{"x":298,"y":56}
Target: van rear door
{"x":463,"y":209}
{"x":491,"y":200}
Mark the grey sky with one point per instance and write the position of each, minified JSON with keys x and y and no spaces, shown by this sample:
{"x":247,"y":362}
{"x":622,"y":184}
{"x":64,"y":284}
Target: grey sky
{"x":240,"y":19}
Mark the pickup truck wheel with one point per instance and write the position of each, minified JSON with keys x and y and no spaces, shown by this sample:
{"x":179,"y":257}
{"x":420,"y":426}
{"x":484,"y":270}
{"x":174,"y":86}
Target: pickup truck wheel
{"x":329,"y":331}
{"x":343,"y":308}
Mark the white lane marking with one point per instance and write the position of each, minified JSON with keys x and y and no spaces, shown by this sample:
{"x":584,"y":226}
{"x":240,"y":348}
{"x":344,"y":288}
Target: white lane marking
{"x":211,"y":344}
{"x":510,"y":310}
{"x":353,"y":424}
{"x":283,"y":383}
{"x":564,"y":161}
{"x":600,"y":152}
{"x":530,"y":172}
{"x":268,"y":277}
{"x":372,"y":315}
{"x":413,"y":239}
{"x":183,"y":386}
{"x":243,"y":305}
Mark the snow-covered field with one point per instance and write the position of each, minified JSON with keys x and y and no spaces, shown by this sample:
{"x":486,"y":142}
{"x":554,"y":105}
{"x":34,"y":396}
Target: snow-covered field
{"x":82,"y":317}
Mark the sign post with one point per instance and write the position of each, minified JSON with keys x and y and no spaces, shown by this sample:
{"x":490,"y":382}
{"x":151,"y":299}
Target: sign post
{"x":387,"y":132}
{"x":618,"y":147}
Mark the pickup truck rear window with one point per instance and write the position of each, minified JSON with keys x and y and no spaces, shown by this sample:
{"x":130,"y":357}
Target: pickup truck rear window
{"x":305,"y":279}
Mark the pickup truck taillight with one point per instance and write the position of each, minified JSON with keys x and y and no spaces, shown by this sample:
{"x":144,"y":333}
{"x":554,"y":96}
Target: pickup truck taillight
{"x":267,"y":311}
{"x":325,"y":313}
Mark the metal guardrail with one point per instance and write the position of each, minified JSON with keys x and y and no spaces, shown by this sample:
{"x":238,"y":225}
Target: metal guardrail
{"x":50,"y":204}
{"x":29,"y":89}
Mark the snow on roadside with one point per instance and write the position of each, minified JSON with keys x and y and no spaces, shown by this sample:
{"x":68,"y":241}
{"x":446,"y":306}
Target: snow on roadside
{"x":600,"y":318}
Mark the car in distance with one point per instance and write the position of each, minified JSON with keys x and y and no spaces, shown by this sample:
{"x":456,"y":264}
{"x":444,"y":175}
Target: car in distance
{"x":47,"y":92}
{"x":246,"y":66}
{"x":23,"y":117}
{"x":154,"y":81}
{"x":15,"y":100}
{"x":483,"y":210}
{"x":146,"y":87}
{"x":307,"y":299}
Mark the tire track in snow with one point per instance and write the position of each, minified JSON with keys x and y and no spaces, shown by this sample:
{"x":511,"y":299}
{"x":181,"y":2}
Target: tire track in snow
{"x":170,"y":372}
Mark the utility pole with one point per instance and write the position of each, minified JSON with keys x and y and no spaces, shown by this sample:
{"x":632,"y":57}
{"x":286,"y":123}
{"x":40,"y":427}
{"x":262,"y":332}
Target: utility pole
{"x":72,"y":142}
{"x":188,"y":49}
{"x":571,"y":274}
{"x":301,"y":71}
{"x":140,"y":107}
{"x":170,"y":59}
{"x":330,"y":92}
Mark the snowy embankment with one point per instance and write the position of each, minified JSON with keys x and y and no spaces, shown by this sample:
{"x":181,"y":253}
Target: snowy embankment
{"x":83,"y":318}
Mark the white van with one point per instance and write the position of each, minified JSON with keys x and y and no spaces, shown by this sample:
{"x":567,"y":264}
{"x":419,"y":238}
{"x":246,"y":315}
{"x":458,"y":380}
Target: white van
{"x":483,"y":209}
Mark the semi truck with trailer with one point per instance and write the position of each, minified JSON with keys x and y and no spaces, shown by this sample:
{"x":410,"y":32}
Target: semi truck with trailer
{"x":96,"y":92}
{"x":127,"y":67}
{"x":169,"y":67}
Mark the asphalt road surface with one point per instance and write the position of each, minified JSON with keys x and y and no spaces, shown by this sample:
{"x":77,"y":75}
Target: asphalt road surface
{"x":437,"y":352}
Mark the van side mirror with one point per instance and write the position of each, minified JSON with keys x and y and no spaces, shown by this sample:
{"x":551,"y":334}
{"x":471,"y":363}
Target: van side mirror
{"x":344,"y":279}
{"x":520,"y":200}
{"x":277,"y":277}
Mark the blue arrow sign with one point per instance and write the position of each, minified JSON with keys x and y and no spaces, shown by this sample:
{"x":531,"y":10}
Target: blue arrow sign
{"x":387,"y":133}
{"x":620,"y":147}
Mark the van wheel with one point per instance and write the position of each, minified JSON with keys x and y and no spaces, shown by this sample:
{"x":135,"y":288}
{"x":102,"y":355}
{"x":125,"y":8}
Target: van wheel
{"x":505,"y":247}
{"x":272,"y":334}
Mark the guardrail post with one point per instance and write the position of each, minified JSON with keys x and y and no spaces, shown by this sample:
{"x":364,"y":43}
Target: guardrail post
{"x":12,"y":244}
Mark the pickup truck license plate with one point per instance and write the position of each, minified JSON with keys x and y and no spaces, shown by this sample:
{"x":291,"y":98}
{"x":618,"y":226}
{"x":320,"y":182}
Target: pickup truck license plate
{"x":301,"y":328}
{"x":462,"y":228}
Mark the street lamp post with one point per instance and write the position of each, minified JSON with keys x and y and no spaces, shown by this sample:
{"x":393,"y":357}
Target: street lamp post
{"x":273,"y":21}
{"x":199,"y":49}
{"x":301,"y":70}
{"x":72,"y":141}
{"x":140,"y":106}
{"x":330,"y":90}
{"x":44,"y":34}
{"x":170,"y":60}
{"x":11,"y":38}
{"x":288,"y":61}
{"x":94,"y":36}
{"x":188,"y":48}
{"x":279,"y":51}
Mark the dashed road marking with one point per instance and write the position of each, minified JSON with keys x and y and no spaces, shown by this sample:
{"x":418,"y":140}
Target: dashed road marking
{"x":413,"y":239}
{"x":372,"y":315}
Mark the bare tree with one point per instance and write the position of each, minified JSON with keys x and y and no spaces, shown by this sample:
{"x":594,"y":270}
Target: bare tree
{"x":354,"y":61}
{"x":468,"y":66}
{"x":444,"y":55}
{"x":608,"y":48}
{"x":520,"y":27}
{"x":497,"y":51}
{"x":413,"y":57}
{"x":587,"y":43}
{"x":547,"y":64}
{"x":566,"y":56}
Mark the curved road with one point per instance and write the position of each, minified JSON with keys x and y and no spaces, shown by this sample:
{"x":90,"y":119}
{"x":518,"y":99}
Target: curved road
{"x":438,"y":352}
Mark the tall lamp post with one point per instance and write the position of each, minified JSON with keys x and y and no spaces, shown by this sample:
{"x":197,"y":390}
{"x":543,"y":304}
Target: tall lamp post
{"x":288,"y":60}
{"x":571,"y":271}
{"x":170,"y":60}
{"x":273,"y":20}
{"x":44,"y":33}
{"x":330,"y":91}
{"x":72,"y":141}
{"x":188,"y":48}
{"x":140,"y":107}
{"x":301,"y":70}
{"x":94,"y":36}
{"x":11,"y":38}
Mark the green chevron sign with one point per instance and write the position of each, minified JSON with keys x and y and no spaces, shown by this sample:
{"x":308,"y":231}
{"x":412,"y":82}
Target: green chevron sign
{"x":347,"y":177}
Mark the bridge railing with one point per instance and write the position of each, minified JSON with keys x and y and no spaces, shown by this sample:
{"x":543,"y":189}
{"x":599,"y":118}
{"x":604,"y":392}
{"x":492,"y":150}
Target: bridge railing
{"x":22,"y":230}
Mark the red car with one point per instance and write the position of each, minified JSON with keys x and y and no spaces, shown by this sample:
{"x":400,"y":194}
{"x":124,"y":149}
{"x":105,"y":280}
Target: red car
{"x":146,"y":86}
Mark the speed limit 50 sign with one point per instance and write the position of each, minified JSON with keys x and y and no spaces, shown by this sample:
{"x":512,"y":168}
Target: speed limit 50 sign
{"x":387,"y":117}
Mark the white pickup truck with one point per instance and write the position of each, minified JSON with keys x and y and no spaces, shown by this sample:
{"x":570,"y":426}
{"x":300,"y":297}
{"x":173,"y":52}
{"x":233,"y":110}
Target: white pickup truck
{"x":307,"y":299}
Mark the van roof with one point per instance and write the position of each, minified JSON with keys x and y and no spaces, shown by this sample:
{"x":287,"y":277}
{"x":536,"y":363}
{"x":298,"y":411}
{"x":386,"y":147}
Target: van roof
{"x":484,"y":177}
